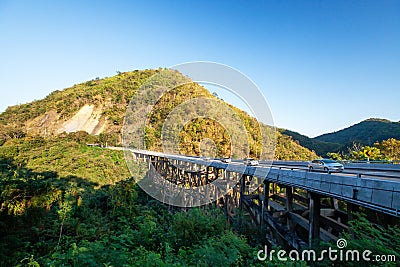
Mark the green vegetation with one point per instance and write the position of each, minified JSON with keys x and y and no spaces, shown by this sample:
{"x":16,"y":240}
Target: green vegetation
{"x":55,"y":214}
{"x":387,"y":150}
{"x":100,"y":217}
{"x":390,"y":149}
{"x":66,"y":156}
{"x":366,"y":133}
{"x":287,"y":149}
{"x":200,"y":128}
{"x":364,"y":235}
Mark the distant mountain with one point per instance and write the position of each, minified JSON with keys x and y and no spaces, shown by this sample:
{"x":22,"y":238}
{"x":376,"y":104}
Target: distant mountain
{"x":98,"y":107}
{"x":366,"y":132}
{"x":320,"y":147}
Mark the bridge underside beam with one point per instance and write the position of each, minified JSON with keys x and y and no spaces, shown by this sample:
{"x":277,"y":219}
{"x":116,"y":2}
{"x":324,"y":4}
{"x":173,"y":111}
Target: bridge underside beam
{"x":314,"y":225}
{"x":281,"y":202}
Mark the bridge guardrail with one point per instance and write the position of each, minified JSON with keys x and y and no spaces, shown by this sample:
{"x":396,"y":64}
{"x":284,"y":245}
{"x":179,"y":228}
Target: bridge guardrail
{"x":351,"y":166}
{"x":375,"y":167}
{"x":360,"y":175}
{"x":371,"y":161}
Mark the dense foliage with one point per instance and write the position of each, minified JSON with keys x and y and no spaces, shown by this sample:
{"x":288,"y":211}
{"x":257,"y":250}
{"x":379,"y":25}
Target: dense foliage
{"x":287,"y":149}
{"x":63,"y":203}
{"x":382,"y":242}
{"x":202,"y":127}
{"x":387,"y":150}
{"x":390,"y":149}
{"x":54,"y":213}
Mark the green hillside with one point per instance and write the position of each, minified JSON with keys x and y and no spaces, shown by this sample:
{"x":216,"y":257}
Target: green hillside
{"x":63,"y":203}
{"x":105,"y":102}
{"x":366,"y":132}
{"x":320,"y":147}
{"x":111,"y":95}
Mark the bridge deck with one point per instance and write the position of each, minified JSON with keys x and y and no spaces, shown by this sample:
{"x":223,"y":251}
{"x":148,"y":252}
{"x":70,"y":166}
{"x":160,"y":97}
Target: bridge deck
{"x":375,"y":193}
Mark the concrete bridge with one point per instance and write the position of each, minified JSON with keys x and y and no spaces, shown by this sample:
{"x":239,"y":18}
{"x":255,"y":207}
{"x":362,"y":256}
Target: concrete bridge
{"x":298,"y":206}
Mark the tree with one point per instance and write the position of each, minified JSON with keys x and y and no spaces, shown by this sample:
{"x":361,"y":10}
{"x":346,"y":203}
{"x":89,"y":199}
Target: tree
{"x":390,"y":148}
{"x":372,"y":153}
{"x":358,"y":152}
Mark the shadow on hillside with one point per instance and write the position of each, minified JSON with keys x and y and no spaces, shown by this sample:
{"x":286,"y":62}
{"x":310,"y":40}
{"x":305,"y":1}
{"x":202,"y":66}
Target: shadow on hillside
{"x":34,"y":206}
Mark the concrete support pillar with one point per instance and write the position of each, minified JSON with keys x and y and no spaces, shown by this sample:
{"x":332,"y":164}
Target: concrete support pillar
{"x":200,"y":182}
{"x":335,"y":203}
{"x":241,"y":196}
{"x":227,"y":175}
{"x":274,"y":190}
{"x":264,"y":203}
{"x":289,"y":198}
{"x":314,"y":225}
{"x":289,"y":206}
{"x":242,"y":188}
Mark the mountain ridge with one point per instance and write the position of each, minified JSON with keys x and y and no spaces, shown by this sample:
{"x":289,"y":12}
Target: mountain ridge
{"x":366,"y":132}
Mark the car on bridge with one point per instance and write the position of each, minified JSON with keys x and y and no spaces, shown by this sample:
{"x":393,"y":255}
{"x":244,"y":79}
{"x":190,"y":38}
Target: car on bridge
{"x":327,"y":165}
{"x":206,"y":158}
{"x":250,"y":162}
{"x":226,"y":160}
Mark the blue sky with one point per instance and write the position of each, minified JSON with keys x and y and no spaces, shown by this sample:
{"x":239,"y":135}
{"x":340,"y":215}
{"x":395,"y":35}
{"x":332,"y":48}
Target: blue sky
{"x":322,"y":65}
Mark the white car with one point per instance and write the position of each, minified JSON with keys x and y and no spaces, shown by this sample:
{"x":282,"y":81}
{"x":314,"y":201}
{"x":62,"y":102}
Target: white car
{"x":226,"y":160}
{"x":327,"y":165}
{"x":250,"y":162}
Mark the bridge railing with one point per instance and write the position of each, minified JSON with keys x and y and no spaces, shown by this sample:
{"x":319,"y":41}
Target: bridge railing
{"x":371,"y":161}
{"x":378,"y":167}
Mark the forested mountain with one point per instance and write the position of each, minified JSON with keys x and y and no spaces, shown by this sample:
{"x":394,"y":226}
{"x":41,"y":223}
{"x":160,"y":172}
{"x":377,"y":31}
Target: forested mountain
{"x":366,"y":132}
{"x":320,"y":147}
{"x":98,"y":107}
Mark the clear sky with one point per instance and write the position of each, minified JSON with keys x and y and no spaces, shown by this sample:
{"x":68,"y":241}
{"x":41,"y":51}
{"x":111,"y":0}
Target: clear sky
{"x":322,"y":65}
